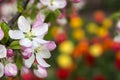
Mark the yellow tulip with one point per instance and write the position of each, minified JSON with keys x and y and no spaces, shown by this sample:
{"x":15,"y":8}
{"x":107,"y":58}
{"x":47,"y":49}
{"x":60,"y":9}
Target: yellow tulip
{"x":76,"y":22}
{"x":96,"y":50}
{"x":64,"y":60}
{"x":107,"y":23}
{"x":66,"y":47}
{"x":78,"y":34}
{"x":102,"y":32}
{"x":92,"y":28}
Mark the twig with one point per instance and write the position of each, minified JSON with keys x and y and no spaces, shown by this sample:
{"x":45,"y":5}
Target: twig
{"x":15,"y":17}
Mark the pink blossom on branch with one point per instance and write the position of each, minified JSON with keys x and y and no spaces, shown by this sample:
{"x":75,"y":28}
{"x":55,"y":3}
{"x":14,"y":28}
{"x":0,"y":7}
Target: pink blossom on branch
{"x":54,"y":4}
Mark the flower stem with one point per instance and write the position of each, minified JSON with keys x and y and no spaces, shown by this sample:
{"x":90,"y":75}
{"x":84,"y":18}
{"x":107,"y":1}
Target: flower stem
{"x":16,"y":16}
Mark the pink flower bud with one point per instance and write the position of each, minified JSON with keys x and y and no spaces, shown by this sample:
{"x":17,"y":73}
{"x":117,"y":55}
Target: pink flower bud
{"x":10,"y":53}
{"x":51,"y":45}
{"x":1,"y":34}
{"x":40,"y":72}
{"x":11,"y":70}
{"x":76,"y":1}
{"x":27,"y":53}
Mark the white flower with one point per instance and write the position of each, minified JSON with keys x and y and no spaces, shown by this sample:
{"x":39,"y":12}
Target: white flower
{"x":1,"y":69}
{"x":32,"y":38}
{"x":28,"y":35}
{"x":54,"y":4}
{"x":3,"y":51}
{"x":40,"y":53}
{"x":40,"y":72}
{"x":117,"y":38}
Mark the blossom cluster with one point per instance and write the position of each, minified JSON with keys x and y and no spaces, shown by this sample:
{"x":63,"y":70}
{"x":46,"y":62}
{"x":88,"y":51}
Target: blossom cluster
{"x":31,"y":49}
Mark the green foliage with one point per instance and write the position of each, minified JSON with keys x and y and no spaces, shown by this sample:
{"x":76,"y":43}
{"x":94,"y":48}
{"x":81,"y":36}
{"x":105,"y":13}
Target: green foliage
{"x":19,"y":6}
{"x":52,"y":16}
{"x":18,"y":60}
{"x":5,"y":27}
{"x":15,"y":45}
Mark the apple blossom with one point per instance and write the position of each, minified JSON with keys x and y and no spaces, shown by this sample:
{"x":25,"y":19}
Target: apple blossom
{"x":54,"y":4}
{"x":27,"y":53}
{"x":1,"y":69}
{"x":8,"y":9}
{"x":1,"y":34}
{"x":79,"y":5}
{"x":50,"y":46}
{"x":28,"y":35}
{"x":32,"y":37}
{"x":40,"y":72}
{"x":76,"y":1}
{"x":117,"y":38}
{"x":10,"y":69}
{"x":10,"y":53}
{"x":40,"y":53}
{"x":3,"y":51}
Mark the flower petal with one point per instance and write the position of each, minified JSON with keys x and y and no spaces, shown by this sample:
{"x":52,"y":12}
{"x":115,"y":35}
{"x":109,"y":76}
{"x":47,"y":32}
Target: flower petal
{"x":50,"y":46}
{"x":41,"y":30}
{"x":44,"y":53}
{"x":23,"y":24}
{"x":40,"y":41}
{"x":1,"y":34}
{"x":40,"y":72}
{"x":60,"y":3}
{"x":57,"y":4}
{"x":39,"y":20}
{"x":1,"y":70}
{"x":28,"y":62}
{"x":25,"y":42}
{"x":117,"y":38}
{"x":3,"y":51}
{"x":16,"y":34}
{"x":45,"y":2}
{"x":41,"y":61}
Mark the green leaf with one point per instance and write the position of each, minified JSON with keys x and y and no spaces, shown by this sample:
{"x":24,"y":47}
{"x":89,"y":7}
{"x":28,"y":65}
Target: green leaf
{"x":15,"y":45}
{"x":18,"y":61}
{"x":51,"y":17}
{"x":57,"y":12}
{"x":5,"y":27}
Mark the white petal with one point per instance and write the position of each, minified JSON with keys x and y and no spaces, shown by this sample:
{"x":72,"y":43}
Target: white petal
{"x":41,"y":30}
{"x":41,"y":41}
{"x":45,"y":2}
{"x":16,"y":34}
{"x":57,"y":4}
{"x":23,"y":24}
{"x":60,"y":3}
{"x":52,"y":7}
{"x":35,"y":44}
{"x":41,"y":61}
{"x":1,"y":69}
{"x":28,"y":62}
{"x":44,"y":53}
{"x":40,"y":72}
{"x":25,"y":42}
{"x":3,"y":51}
{"x":117,"y":38}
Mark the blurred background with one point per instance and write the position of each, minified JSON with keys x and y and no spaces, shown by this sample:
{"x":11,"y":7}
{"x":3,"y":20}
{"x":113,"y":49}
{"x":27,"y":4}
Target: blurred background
{"x":84,"y":36}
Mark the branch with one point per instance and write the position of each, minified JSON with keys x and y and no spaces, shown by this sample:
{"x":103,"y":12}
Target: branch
{"x":16,"y":16}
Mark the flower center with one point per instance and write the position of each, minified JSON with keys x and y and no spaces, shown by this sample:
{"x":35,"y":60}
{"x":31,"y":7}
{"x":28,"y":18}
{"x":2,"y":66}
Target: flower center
{"x":29,"y":35}
{"x":38,"y":49}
